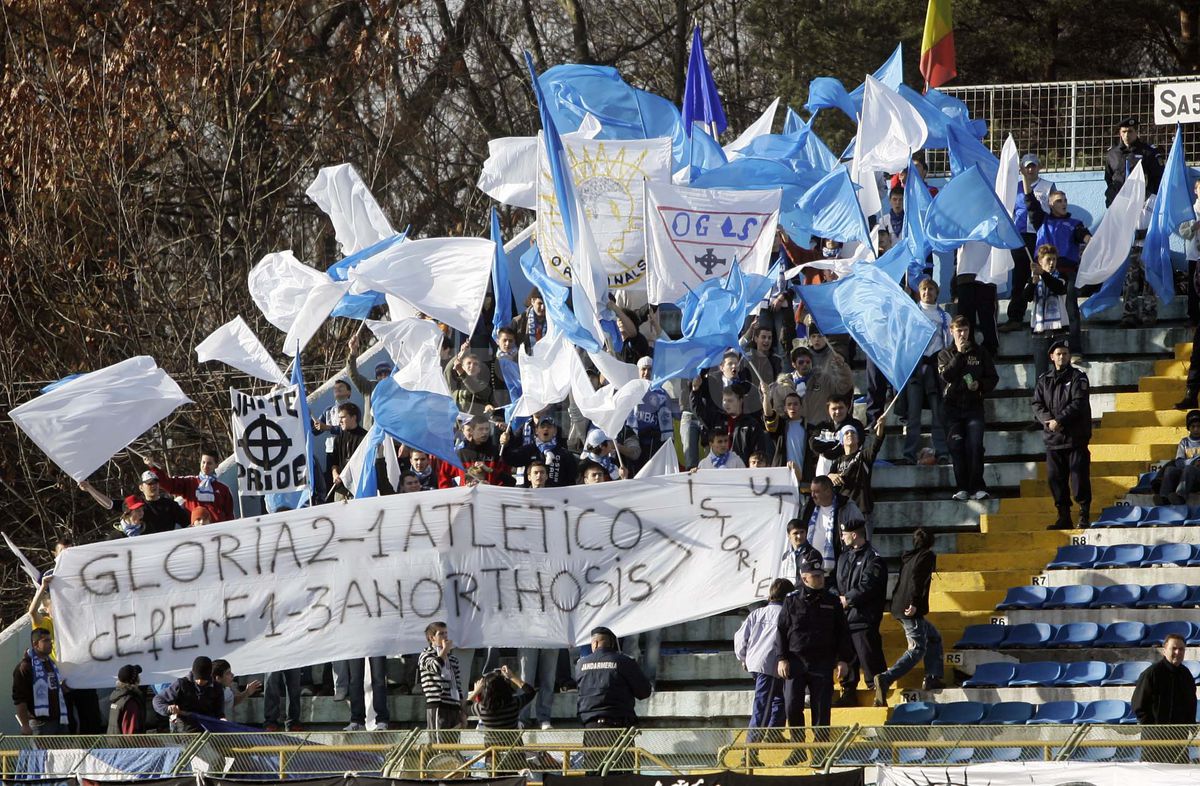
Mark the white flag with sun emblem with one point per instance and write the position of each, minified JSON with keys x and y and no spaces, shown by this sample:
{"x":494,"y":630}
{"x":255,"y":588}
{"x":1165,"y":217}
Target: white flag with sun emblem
{"x":608,"y":175}
{"x":694,"y":234}
{"x":268,"y":440}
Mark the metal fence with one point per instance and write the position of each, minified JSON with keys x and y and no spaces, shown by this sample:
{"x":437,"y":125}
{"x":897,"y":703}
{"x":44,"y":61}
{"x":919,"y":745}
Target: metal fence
{"x":666,"y":752}
{"x":1069,"y":125}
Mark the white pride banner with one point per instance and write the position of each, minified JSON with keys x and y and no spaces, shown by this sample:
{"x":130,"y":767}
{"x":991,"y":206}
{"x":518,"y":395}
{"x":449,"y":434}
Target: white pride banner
{"x":269,"y":442}
{"x":502,"y":567}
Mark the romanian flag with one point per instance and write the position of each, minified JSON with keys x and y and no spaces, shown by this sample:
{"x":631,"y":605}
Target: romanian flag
{"x":937,"y":45}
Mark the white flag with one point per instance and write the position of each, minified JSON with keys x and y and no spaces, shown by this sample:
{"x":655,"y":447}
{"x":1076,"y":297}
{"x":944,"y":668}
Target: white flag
{"x":1009,"y":174}
{"x":589,"y":284}
{"x":545,"y":374}
{"x":358,"y":221}
{"x":890,"y":129}
{"x":608,"y":408}
{"x":444,"y":277}
{"x":270,"y":442}
{"x":279,"y":284}
{"x":615,"y":371}
{"x":664,"y":462}
{"x":694,"y":234}
{"x":235,"y":344}
{"x":1109,"y":247}
{"x":322,"y":299}
{"x":509,"y":174}
{"x":753,"y":131}
{"x":404,"y":338}
{"x":84,"y":422}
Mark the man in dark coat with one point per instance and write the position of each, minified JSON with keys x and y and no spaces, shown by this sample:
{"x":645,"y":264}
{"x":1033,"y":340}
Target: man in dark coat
{"x":1061,"y":404}
{"x":968,"y":377}
{"x":910,"y":607}
{"x":862,"y":578}
{"x":1124,"y":155}
{"x":1166,"y":692}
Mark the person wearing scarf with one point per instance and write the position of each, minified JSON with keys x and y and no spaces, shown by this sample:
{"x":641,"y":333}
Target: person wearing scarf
{"x":1047,"y":290}
{"x":786,"y":427}
{"x":201,"y":490}
{"x":132,"y":521}
{"x":601,"y":450}
{"x":38,"y":689}
{"x":543,"y":445}
{"x":720,"y":456}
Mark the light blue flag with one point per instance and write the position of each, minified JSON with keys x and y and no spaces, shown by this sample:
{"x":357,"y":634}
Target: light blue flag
{"x":891,"y":73}
{"x":298,"y":499}
{"x":792,"y":122}
{"x":818,"y":300}
{"x":418,"y":418}
{"x":359,"y":306}
{"x":366,"y":483}
{"x":554,"y":294}
{"x":968,"y":209}
{"x":825,"y":92}
{"x":501,"y":289}
{"x":574,"y":91}
{"x":1108,"y":295}
{"x":957,"y":111}
{"x":701,"y":101}
{"x":916,"y":206}
{"x":834,"y":210}
{"x":884,"y":321}
{"x":560,"y":171}
{"x":966,"y":151}
{"x":816,"y":153}
{"x":711,"y":320}
{"x":58,"y":383}
{"x":1172,"y":207}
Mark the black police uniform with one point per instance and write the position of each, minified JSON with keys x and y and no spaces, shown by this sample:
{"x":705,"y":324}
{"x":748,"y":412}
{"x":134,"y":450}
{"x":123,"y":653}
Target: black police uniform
{"x":813,"y":637}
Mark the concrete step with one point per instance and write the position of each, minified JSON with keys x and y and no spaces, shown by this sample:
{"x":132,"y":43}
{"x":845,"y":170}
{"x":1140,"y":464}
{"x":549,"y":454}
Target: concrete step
{"x":1173,"y":418}
{"x":964,"y":600}
{"x":980,"y":580}
{"x":1155,"y":384}
{"x":1029,"y":560}
{"x":1149,"y":536}
{"x":1109,"y":341}
{"x":1016,"y":408}
{"x":1101,"y":373}
{"x":1102,"y":578}
{"x":1148,"y":452}
{"x":922,"y":479}
{"x":1103,"y":485}
{"x":937,"y":514}
{"x":1159,"y":400}
{"x":723,"y":668}
{"x":1048,"y":541}
{"x":1102,"y":616}
{"x":998,"y":444}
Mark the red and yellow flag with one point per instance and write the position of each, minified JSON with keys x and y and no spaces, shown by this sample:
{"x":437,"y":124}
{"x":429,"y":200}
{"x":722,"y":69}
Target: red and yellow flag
{"x":937,"y":45}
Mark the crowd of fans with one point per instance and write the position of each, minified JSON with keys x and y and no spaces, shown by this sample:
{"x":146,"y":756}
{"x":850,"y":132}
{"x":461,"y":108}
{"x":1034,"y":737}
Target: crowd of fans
{"x":784,"y":398}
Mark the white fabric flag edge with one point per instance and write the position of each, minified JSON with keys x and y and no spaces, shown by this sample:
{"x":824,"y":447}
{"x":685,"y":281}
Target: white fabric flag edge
{"x":1109,"y":246}
{"x":255,"y":360}
{"x":1000,"y":260}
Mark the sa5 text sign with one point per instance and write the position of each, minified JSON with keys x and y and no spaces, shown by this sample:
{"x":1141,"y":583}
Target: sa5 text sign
{"x":1177,"y":102}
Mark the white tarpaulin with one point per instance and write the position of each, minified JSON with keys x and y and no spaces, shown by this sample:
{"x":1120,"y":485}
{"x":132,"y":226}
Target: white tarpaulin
{"x":358,"y":221}
{"x":1109,"y":247}
{"x":269,"y":442}
{"x":504,"y":567}
{"x":1040,"y":773}
{"x":82,"y":423}
{"x":235,"y":344}
{"x":607,"y":174}
{"x":279,"y":284}
{"x":694,"y":234}
{"x":444,"y":277}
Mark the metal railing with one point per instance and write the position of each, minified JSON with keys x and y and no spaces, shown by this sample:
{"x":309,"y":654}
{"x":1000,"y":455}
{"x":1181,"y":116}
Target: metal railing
{"x":1070,"y":125}
{"x":669,"y":752}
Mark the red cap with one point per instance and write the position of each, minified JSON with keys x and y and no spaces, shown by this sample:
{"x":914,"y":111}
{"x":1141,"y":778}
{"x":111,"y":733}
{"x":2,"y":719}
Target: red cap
{"x":133,"y":502}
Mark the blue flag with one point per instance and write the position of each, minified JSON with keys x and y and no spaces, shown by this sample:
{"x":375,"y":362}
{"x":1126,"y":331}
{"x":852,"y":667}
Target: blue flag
{"x":833,"y":209}
{"x":359,"y":306}
{"x":560,"y":171}
{"x":966,"y":151}
{"x":957,"y":111}
{"x":712,"y":317}
{"x":555,"y":295}
{"x":884,"y":321}
{"x":701,"y":102}
{"x":501,"y":289}
{"x":891,"y":73}
{"x":825,"y":92}
{"x":792,"y":122}
{"x":298,"y":499}
{"x":818,"y":300}
{"x":418,"y":418}
{"x":1172,"y":207}
{"x":968,"y":209}
{"x":916,"y":206}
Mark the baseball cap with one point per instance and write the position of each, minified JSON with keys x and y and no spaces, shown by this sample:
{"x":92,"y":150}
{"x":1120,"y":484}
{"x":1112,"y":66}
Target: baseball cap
{"x":129,"y":672}
{"x":149,"y":477}
{"x":383,"y":368}
{"x":544,"y":419}
{"x":645,"y":362}
{"x":1029,"y":158}
{"x":595,"y":438}
{"x":133,"y":502}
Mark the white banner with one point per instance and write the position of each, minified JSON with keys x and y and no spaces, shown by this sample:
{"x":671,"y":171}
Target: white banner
{"x":693,"y":234}
{"x":1041,"y":772}
{"x":268,"y":442}
{"x":608,"y":175}
{"x":503,"y":567}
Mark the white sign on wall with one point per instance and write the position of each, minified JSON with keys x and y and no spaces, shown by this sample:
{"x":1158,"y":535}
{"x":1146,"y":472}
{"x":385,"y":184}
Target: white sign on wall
{"x":1177,"y":102}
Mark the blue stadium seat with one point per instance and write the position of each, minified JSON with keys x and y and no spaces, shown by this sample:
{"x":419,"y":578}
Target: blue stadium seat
{"x":1024,"y":598}
{"x":1157,"y":633}
{"x":991,"y":675}
{"x":959,"y":756}
{"x":1122,"y":634}
{"x":1169,"y":554}
{"x":1075,"y":557}
{"x":1119,"y":596}
{"x":1165,"y":595}
{"x":1103,"y":711}
{"x":960,"y":713}
{"x":1193,"y":516}
{"x":1039,"y":673}
{"x":1083,"y":674}
{"x":910,"y":755}
{"x":982,"y":637}
{"x":1028,"y":635}
{"x":1145,"y":483}
{"x":1125,"y":673}
{"x":1077,"y":634}
{"x":1122,"y":555}
{"x":913,"y":713}
{"x":1194,"y":667}
{"x":1193,"y":598}
{"x":1165,"y":516}
{"x":1071,"y":596}
{"x":1008,"y":713}
{"x":1096,"y":753}
{"x":1056,"y":712}
{"x":1120,"y":516}
{"x":1005,"y":754}
{"x":860,"y":757}
{"x":1195,"y":560}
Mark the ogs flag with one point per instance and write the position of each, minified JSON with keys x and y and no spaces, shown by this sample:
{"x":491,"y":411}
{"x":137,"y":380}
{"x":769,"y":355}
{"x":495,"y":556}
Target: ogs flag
{"x":268,"y":440}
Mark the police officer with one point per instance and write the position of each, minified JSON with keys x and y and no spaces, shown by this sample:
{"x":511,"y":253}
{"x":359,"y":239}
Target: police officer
{"x":813,"y":637}
{"x":610,"y":682}
{"x":862,"y":578}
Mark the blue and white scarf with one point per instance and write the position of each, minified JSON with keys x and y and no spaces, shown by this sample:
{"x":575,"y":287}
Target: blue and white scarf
{"x":45,"y":681}
{"x":204,"y":489}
